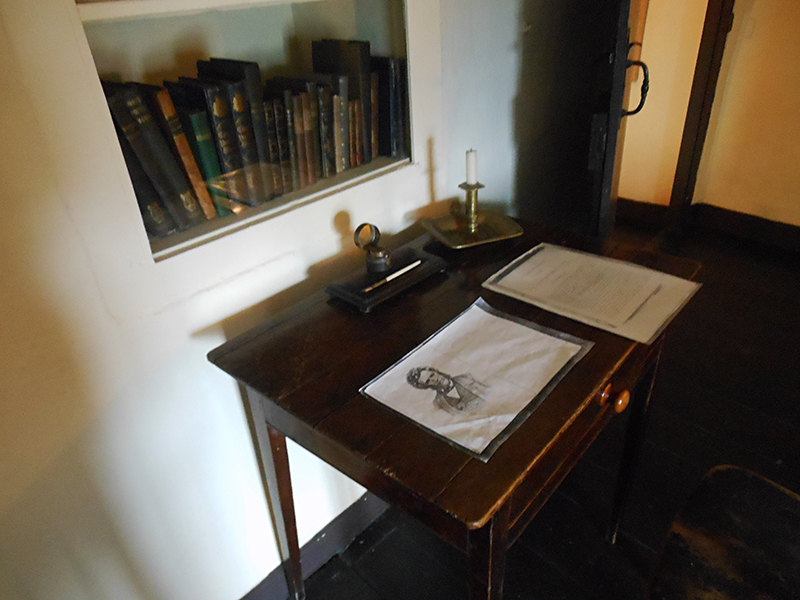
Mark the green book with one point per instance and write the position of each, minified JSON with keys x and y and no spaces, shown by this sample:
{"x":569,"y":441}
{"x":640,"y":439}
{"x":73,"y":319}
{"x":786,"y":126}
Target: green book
{"x":201,"y":141}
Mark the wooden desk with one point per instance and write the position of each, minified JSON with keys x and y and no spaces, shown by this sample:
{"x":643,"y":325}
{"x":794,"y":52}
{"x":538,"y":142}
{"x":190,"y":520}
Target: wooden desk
{"x":303,"y":371}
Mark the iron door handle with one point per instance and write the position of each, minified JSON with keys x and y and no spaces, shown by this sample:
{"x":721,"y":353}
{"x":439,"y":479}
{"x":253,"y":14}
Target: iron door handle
{"x":645,"y":87}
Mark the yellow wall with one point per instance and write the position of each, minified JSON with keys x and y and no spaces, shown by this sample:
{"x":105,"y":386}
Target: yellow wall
{"x":752,"y":151}
{"x":653,"y":137}
{"x":751,"y":160}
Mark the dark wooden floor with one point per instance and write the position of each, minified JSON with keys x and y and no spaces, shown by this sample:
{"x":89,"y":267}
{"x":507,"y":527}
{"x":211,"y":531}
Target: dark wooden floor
{"x":727,"y":393}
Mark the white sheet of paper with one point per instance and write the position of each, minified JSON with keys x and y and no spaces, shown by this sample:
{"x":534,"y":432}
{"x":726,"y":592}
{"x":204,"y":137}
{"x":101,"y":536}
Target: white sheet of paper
{"x":489,"y":368}
{"x":627,"y":299}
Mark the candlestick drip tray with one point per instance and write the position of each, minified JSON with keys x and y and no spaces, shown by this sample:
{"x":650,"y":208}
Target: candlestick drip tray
{"x":453,"y":230}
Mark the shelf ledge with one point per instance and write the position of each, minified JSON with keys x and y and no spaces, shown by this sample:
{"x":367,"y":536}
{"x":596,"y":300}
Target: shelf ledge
{"x":207,"y":232}
{"x":111,"y":10}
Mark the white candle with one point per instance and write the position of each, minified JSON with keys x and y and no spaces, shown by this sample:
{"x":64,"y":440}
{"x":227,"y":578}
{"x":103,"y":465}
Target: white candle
{"x":472,"y":167}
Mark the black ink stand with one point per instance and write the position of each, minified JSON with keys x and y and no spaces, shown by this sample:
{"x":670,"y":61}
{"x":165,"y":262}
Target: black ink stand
{"x":386,"y":274}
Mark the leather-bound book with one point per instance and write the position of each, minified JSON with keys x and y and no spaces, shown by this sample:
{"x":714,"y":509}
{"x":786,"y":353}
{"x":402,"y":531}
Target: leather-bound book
{"x":148,"y":143}
{"x":284,"y":147}
{"x":326,"y":137}
{"x":191,"y":91}
{"x":340,"y":116}
{"x":249,"y":71}
{"x":351,"y":58}
{"x":201,"y":140}
{"x":235,"y":91}
{"x":300,"y":139}
{"x":157,"y":221}
{"x":273,"y":147}
{"x":180,"y":145}
{"x":389,"y":133}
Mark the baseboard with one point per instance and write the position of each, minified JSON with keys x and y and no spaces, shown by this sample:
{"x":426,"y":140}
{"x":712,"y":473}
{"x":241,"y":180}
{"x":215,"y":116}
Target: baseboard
{"x":333,"y":539}
{"x":713,"y":218}
{"x":741,"y":225}
{"x":641,"y":213}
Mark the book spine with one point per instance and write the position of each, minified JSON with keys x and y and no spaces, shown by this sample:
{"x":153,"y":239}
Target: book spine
{"x":300,"y":140}
{"x":249,"y":73}
{"x":344,"y":92}
{"x":291,"y":136}
{"x":403,"y":117}
{"x":284,"y":148}
{"x":374,"y":114}
{"x":395,"y":107}
{"x":353,"y":133}
{"x":201,"y":141}
{"x":134,"y":119}
{"x":157,"y":221}
{"x":326,"y":141}
{"x":313,"y":97}
{"x":308,"y":136}
{"x":358,"y":134}
{"x":272,"y":147}
{"x":338,"y":141}
{"x":225,"y":139}
{"x":243,"y":125}
{"x":184,"y":152}
{"x":158,"y":147}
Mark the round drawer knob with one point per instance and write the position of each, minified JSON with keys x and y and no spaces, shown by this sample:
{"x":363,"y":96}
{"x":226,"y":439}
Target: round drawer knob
{"x":605,"y":395}
{"x":621,"y":402}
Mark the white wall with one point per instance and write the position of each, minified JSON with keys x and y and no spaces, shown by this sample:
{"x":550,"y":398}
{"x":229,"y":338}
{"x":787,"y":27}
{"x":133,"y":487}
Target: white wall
{"x":751,"y":151}
{"x":480,"y":55}
{"x":125,"y":460}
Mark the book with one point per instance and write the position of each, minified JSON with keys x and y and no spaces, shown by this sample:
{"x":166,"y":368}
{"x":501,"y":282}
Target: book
{"x":236,"y":94}
{"x":404,"y":118}
{"x":340,"y":141}
{"x":309,"y":130}
{"x":351,"y":58}
{"x":300,"y":139}
{"x":373,"y":96}
{"x":387,"y":71}
{"x":357,"y":150}
{"x":250,"y":72}
{"x":156,"y":219}
{"x":284,"y":148}
{"x":150,"y":147}
{"x":326,"y":131}
{"x":341,"y":115}
{"x":306,"y":87}
{"x":192,"y":91}
{"x":169,"y":117}
{"x":291,"y":139}
{"x":198,"y":134}
{"x":273,"y":147}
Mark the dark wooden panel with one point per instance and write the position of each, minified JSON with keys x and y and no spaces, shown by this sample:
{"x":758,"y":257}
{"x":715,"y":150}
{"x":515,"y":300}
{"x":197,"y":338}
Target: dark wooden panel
{"x":379,"y":481}
{"x":519,"y":455}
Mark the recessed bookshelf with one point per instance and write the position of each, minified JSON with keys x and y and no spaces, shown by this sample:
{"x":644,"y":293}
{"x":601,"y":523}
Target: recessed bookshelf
{"x":151,"y":42}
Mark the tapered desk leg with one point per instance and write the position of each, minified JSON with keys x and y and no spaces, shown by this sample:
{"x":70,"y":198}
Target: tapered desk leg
{"x":640,"y":408}
{"x":273,"y":462}
{"x":487,"y":557}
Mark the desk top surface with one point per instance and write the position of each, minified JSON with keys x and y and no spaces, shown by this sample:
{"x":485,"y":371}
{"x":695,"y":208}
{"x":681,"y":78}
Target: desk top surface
{"x":311,"y":361}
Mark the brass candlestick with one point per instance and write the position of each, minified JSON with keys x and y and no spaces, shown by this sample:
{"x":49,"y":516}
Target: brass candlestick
{"x":471,"y":204}
{"x":473,"y":226}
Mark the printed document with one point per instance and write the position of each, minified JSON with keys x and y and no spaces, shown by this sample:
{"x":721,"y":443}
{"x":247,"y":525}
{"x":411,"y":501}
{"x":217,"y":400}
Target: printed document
{"x":626,"y":299}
